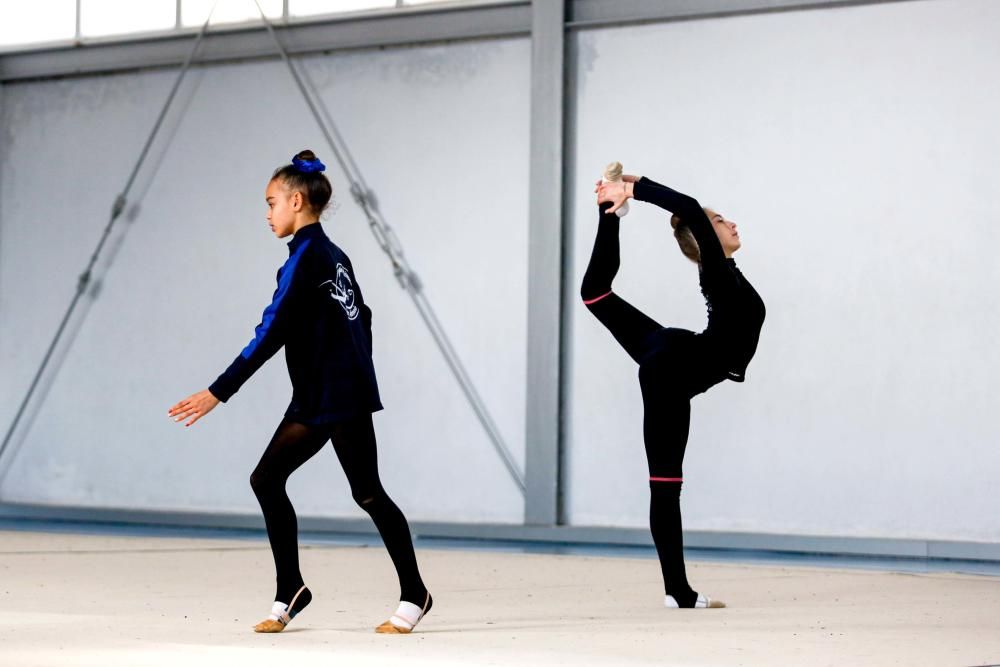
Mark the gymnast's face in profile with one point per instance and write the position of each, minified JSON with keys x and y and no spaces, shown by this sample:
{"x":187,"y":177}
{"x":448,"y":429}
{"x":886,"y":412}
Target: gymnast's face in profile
{"x":726,"y":231}
{"x":283,"y":205}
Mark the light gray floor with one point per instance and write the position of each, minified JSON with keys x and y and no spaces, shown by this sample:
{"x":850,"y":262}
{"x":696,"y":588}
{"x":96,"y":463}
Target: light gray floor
{"x":109,"y":600}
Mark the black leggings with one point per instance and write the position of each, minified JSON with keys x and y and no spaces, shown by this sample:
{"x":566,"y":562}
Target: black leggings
{"x":674,"y":366}
{"x":354,"y":441}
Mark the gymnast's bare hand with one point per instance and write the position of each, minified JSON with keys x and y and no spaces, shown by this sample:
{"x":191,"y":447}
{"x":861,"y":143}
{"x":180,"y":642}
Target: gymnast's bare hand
{"x":194,"y":406}
{"x":616,"y":192}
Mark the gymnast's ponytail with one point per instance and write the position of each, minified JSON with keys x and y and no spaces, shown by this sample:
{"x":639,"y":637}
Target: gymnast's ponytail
{"x":685,"y":239}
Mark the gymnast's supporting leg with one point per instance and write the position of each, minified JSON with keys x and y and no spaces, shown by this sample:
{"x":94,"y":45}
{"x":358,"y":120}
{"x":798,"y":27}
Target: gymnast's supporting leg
{"x":665,"y":430}
{"x":354,"y":441}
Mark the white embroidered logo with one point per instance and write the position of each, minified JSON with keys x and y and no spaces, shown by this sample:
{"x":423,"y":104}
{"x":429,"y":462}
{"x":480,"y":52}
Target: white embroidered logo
{"x":342,"y":291}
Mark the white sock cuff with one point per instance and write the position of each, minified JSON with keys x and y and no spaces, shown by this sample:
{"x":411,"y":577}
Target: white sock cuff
{"x":701,"y":603}
{"x":279,"y":612}
{"x":407,"y":615}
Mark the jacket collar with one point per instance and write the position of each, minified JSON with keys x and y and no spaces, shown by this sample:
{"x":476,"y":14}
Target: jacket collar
{"x":310,"y":231}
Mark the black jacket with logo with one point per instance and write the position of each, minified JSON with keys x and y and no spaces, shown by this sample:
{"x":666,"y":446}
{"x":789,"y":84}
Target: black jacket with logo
{"x":319,"y":316}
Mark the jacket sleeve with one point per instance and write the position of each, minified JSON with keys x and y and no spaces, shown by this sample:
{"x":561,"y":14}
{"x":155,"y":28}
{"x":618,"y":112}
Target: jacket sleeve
{"x":269,"y":336}
{"x":691,"y":212}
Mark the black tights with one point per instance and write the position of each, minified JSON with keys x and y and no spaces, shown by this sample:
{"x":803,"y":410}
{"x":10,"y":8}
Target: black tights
{"x":674,"y":366}
{"x":354,"y":441}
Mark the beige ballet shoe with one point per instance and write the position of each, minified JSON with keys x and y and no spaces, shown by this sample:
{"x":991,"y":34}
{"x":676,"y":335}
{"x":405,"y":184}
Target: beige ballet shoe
{"x":268,"y":625}
{"x":388,"y":628}
{"x":405,"y":619}
{"x":281,"y":614}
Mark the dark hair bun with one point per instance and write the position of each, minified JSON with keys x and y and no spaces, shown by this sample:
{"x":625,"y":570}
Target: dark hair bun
{"x":305,"y":173}
{"x":307,"y":162}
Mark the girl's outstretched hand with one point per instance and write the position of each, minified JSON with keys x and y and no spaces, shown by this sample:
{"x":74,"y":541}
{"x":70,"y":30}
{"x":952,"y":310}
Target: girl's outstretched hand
{"x":194,"y":406}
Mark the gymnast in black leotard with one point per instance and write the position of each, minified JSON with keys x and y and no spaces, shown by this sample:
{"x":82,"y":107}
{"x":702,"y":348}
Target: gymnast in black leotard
{"x":675,"y":364}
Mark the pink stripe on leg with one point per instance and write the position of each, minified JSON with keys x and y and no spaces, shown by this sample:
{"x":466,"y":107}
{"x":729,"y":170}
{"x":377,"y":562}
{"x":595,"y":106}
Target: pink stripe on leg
{"x":587,"y":302}
{"x":666,"y":479}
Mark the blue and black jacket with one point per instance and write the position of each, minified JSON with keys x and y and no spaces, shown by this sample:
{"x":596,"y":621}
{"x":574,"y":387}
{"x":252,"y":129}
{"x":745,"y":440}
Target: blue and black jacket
{"x":320,"y":317}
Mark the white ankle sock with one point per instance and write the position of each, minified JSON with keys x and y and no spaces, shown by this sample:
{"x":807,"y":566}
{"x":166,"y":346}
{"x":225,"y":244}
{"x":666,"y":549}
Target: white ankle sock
{"x":703,"y":602}
{"x":407,"y":616}
{"x":279,"y":613}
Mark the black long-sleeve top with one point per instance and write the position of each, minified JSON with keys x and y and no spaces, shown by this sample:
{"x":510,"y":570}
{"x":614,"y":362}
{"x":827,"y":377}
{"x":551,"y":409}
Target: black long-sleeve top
{"x":735,"y":310}
{"x":319,"y":315}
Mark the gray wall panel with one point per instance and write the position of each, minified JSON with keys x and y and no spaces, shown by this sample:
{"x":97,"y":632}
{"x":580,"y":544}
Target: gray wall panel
{"x":197,"y":266}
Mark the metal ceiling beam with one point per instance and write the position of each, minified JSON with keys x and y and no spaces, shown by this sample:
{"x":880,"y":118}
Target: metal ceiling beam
{"x":602,"y":13}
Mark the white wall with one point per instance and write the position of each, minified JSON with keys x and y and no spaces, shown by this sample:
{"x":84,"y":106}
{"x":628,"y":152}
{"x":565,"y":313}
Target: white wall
{"x":858,"y":150}
{"x":195,"y":268}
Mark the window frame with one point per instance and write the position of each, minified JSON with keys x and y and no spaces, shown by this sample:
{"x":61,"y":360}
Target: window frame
{"x":285,"y":20}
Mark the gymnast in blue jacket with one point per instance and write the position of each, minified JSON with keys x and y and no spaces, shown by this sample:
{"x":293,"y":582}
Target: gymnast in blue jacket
{"x":319,"y":316}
